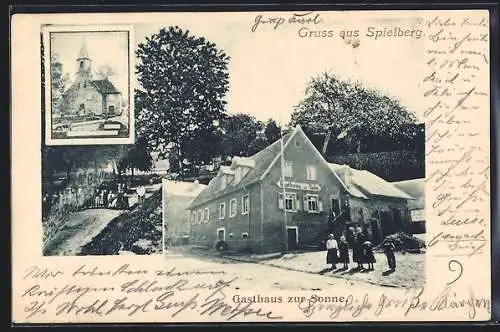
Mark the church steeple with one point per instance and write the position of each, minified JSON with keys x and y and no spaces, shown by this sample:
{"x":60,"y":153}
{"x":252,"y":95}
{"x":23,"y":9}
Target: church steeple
{"x":83,"y":62}
{"x":83,"y":52}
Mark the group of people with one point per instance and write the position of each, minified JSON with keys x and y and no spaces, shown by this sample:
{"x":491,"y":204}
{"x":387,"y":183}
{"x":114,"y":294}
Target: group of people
{"x":108,"y":198}
{"x":362,"y":251}
{"x":72,"y":197}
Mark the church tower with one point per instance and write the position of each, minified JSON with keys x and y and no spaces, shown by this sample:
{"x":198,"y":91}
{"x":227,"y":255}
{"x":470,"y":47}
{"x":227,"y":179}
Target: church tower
{"x":83,"y":62}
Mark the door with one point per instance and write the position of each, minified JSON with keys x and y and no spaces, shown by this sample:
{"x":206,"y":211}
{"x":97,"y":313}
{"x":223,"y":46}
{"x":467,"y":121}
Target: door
{"x":376,"y":233}
{"x":111,"y":110}
{"x":387,"y":220}
{"x":336,"y":206}
{"x":398,"y":220}
{"x":221,"y":234}
{"x":293,"y":237}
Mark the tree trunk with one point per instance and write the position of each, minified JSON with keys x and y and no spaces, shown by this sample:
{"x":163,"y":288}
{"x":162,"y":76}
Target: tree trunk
{"x":181,"y":169}
{"x":327,"y":140}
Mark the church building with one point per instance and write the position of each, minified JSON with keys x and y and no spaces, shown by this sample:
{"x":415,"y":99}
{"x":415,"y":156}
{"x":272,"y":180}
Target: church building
{"x":89,"y":97}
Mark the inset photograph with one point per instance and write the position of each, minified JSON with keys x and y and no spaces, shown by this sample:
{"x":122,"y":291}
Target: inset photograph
{"x":87,"y":85}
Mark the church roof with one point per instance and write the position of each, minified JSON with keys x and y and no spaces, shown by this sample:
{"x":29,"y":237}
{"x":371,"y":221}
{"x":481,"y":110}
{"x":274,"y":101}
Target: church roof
{"x":84,"y":54}
{"x":261,"y":161}
{"x":105,"y":86}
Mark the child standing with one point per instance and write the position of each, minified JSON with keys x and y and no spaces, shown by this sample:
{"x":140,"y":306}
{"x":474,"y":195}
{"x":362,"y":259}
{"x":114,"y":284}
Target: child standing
{"x":344,"y":252}
{"x":368,"y":255}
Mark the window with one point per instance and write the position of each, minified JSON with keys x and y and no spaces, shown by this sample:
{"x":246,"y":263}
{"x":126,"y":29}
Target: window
{"x":312,"y":203}
{"x":245,"y":204}
{"x":207,"y":215}
{"x":193,"y":218}
{"x":222,"y":210}
{"x":288,"y":171}
{"x":417,"y":215}
{"x":221,"y":234}
{"x":200,"y":216}
{"x":232,"y":207}
{"x":290,"y":201}
{"x":311,"y":172}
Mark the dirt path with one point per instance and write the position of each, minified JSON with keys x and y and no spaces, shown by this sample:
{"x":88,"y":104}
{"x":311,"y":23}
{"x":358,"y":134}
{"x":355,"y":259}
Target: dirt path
{"x":82,"y":227}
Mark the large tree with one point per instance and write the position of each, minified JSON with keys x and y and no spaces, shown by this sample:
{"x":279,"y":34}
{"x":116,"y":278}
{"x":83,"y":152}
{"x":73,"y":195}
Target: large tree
{"x":184,"y":80}
{"x":272,"y":131}
{"x":137,"y":157}
{"x":59,"y":81}
{"x":350,"y":112}
{"x":241,"y":136}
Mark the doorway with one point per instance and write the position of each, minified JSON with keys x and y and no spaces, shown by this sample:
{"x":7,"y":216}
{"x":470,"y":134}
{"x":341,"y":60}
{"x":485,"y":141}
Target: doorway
{"x":336,"y":206}
{"x":111,"y":110}
{"x":221,"y":234}
{"x":293,"y":237}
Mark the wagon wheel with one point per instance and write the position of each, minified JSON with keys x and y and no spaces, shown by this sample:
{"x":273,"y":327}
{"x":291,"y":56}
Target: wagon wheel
{"x":221,"y":246}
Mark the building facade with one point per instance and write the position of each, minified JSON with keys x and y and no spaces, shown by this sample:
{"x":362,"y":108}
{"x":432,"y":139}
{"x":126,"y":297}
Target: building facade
{"x":416,"y":189}
{"x":249,"y":207}
{"x":176,"y":197}
{"x":89,"y":97}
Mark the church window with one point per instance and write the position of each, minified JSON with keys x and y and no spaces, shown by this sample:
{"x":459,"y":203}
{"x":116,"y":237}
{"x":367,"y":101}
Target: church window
{"x":81,"y":65}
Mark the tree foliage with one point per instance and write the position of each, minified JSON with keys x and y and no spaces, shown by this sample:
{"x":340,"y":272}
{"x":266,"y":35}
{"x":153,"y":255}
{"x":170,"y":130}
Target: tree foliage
{"x":137,"y":157}
{"x":184,"y":80}
{"x":241,"y":136}
{"x":59,"y":81}
{"x":105,"y":72}
{"x":351,"y":112}
{"x":272,"y":131}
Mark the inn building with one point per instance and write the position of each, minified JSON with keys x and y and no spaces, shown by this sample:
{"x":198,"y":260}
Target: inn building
{"x":248,"y":206}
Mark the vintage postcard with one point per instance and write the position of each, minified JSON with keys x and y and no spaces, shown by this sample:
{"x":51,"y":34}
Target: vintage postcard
{"x":251,"y":167}
{"x":89,"y":98}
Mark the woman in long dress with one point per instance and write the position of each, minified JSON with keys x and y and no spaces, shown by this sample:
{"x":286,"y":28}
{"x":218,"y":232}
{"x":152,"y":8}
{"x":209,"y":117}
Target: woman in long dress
{"x":331,"y":247}
{"x":357,"y":250}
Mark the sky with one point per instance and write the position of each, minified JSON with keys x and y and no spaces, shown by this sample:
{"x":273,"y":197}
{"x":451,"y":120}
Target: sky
{"x":104,"y":48}
{"x":269,"y":68}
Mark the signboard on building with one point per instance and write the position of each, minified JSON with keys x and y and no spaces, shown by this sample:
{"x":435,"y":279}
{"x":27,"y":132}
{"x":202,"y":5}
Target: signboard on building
{"x":300,"y":186}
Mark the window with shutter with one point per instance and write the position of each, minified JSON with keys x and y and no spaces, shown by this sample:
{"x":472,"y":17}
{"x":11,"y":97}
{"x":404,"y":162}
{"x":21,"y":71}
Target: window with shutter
{"x":311,"y":203}
{"x":289,"y":203}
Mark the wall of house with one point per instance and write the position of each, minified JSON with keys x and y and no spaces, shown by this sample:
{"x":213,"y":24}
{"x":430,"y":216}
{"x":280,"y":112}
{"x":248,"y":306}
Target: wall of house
{"x":375,"y":216}
{"x":86,"y":95}
{"x":205,"y":233}
{"x":176,"y":218}
{"x":311,"y":225}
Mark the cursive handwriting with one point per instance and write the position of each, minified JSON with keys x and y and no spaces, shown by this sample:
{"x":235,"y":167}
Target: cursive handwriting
{"x":455,"y":95}
{"x":309,"y":18}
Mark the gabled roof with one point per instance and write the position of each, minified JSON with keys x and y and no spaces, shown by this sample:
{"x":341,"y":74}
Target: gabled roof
{"x":364,"y":184}
{"x":105,"y":86}
{"x":415,"y":187}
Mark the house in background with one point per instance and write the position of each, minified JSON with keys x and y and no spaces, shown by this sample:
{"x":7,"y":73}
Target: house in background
{"x":248,"y":206}
{"x":176,"y":197}
{"x":416,"y":189}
